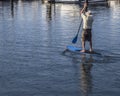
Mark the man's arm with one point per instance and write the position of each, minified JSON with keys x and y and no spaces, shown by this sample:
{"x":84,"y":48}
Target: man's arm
{"x":84,"y":8}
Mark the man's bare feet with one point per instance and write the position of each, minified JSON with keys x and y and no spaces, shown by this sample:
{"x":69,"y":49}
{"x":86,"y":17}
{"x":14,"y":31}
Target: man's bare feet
{"x":82,"y":51}
{"x":91,"y":50}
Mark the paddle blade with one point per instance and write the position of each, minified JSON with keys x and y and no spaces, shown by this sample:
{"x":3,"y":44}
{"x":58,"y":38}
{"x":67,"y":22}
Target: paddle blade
{"x":75,"y":39}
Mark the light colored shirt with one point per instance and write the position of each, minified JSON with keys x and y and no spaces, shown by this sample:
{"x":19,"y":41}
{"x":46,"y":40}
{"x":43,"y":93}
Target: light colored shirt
{"x":87,"y":21}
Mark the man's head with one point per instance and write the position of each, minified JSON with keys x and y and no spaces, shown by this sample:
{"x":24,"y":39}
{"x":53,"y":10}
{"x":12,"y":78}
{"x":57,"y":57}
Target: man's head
{"x":89,"y":12}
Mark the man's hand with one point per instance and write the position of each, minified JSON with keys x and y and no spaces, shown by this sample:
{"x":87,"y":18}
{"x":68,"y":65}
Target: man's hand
{"x":85,"y":5}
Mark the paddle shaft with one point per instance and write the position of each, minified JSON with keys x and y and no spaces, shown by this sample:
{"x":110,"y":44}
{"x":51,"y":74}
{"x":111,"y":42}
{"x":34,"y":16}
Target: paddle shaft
{"x":75,"y":38}
{"x":79,"y":27}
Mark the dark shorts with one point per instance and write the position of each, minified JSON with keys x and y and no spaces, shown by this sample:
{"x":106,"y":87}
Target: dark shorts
{"x":86,"y":35}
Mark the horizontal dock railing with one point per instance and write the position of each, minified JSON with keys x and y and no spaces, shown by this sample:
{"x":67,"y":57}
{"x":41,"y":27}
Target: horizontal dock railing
{"x":78,"y":2}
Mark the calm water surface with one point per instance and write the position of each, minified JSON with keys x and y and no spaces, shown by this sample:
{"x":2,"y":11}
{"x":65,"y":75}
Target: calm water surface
{"x":33,"y":37}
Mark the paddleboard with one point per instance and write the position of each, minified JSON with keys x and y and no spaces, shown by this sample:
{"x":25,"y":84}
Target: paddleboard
{"x":78,"y":49}
{"x":73,"y":48}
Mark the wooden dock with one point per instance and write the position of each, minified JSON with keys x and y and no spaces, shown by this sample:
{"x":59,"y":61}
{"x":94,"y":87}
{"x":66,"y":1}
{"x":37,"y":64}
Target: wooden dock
{"x":102,"y":2}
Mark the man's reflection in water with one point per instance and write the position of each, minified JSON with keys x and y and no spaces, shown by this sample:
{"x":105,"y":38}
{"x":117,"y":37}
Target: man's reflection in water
{"x":86,"y":78}
{"x":85,"y":72}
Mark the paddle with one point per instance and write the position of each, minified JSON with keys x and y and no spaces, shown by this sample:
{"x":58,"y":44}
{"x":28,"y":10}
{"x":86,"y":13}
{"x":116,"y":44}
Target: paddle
{"x":75,"y":38}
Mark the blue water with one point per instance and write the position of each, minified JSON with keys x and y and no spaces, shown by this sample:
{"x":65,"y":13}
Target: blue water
{"x":33,"y":38}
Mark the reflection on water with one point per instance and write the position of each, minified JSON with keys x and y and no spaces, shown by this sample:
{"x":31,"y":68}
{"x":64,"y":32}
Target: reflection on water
{"x":86,"y":77}
{"x":33,"y":35}
{"x":113,"y":3}
{"x":12,"y":8}
{"x":49,"y":11}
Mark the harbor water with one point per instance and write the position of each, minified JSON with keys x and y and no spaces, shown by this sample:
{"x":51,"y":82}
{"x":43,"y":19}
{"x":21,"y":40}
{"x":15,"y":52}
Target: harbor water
{"x":33,"y":40}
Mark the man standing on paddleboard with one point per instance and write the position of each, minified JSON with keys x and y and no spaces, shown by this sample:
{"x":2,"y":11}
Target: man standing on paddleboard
{"x":87,"y":27}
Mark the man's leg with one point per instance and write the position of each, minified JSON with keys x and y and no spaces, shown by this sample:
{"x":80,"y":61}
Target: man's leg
{"x":83,"y":41}
{"x":91,"y":45}
{"x":90,"y":40}
{"x":83,"y":46}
